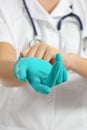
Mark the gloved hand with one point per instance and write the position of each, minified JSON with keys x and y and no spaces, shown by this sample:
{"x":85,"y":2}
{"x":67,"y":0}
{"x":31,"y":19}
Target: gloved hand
{"x":58,"y":73}
{"x":39,"y":73}
{"x":33,"y":70}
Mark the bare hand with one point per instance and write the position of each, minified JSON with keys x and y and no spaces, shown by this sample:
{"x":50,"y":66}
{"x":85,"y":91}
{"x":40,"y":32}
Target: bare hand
{"x":40,"y":50}
{"x":46,"y":52}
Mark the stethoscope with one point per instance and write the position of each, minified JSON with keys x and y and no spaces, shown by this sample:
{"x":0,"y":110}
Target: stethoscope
{"x":59,"y":26}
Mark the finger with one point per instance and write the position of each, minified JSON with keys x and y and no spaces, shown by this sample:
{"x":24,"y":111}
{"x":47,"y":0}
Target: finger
{"x":58,"y":58}
{"x":52,"y":61}
{"x":65,"y":75}
{"x":24,"y":52}
{"x":41,"y":50}
{"x":36,"y":84}
{"x":47,"y":55}
{"x":61,"y":70}
{"x":38,"y":87}
{"x":33,"y":50}
{"x":59,"y":78}
{"x":53,"y":75}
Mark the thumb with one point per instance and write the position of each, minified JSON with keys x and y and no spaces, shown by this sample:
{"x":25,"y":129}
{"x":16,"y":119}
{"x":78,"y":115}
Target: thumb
{"x":65,"y":75}
{"x":58,"y":58}
{"x":52,"y":78}
{"x":24,"y":52}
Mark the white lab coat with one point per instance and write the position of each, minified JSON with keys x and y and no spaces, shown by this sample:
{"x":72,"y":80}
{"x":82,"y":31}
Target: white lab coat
{"x":65,"y":108}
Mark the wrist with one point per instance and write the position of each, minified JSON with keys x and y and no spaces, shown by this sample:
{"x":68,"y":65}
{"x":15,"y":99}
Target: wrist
{"x":68,"y":59}
{"x":65,"y":58}
{"x":71,"y":60}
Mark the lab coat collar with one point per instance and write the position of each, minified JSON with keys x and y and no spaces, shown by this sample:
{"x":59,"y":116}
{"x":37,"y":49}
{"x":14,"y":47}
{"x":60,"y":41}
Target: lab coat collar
{"x":63,"y":8}
{"x":39,"y":13}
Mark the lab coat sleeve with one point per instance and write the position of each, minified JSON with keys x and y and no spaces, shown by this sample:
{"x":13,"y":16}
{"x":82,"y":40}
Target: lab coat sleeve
{"x":5,"y":35}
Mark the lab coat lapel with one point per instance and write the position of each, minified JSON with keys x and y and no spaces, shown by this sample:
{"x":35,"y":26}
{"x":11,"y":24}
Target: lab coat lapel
{"x":39,"y":13}
{"x":63,"y":8}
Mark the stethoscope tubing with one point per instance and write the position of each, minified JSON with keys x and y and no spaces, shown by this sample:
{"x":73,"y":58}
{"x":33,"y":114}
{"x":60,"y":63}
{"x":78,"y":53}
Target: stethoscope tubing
{"x":29,"y":15}
{"x":59,"y":25}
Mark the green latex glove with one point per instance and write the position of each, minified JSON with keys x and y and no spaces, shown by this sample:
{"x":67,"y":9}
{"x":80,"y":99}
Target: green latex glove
{"x":39,"y":73}
{"x":33,"y":70}
{"x":58,"y":73}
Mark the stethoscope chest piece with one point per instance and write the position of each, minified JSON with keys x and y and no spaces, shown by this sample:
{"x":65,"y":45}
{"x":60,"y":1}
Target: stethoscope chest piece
{"x":34,"y":41}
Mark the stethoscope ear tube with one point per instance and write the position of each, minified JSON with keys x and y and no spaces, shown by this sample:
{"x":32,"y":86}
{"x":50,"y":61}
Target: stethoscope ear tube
{"x":59,"y":25}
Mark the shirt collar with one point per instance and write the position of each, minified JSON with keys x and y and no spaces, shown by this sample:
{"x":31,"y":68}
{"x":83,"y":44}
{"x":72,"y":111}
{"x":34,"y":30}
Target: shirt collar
{"x":39,"y":13}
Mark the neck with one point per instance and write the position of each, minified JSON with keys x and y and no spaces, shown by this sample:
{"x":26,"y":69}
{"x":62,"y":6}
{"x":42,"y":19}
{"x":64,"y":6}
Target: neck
{"x":49,"y":5}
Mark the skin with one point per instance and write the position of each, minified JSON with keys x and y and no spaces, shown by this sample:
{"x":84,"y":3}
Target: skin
{"x":39,"y":50}
{"x":7,"y":60}
{"x":49,"y":5}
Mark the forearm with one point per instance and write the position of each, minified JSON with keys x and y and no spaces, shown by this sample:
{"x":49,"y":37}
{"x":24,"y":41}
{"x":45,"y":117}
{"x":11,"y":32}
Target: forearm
{"x":74,"y":63}
{"x":7,"y":60}
{"x":6,"y":74}
{"x":78,"y":64}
